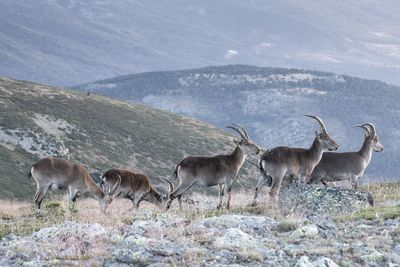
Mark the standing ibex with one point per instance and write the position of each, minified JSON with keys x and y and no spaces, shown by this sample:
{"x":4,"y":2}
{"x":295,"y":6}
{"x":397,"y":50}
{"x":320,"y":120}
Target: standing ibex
{"x":349,"y":165}
{"x":217,"y":170}
{"x":59,"y":174}
{"x":134,"y":186}
{"x":282,"y":162}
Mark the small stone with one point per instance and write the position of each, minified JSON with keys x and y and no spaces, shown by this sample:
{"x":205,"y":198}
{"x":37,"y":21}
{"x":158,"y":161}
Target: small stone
{"x":373,"y":257}
{"x":20,"y":256}
{"x":114,"y":238}
{"x":397,"y":249}
{"x":303,"y":262}
{"x":136,"y":240}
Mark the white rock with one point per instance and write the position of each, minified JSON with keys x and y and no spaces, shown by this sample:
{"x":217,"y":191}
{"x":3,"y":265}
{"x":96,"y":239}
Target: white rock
{"x":235,"y":238}
{"x":236,"y":221}
{"x":373,"y":257}
{"x":305,"y":231}
{"x":397,"y":249}
{"x":303,"y":262}
{"x":321,"y":262}
{"x":324,"y":262}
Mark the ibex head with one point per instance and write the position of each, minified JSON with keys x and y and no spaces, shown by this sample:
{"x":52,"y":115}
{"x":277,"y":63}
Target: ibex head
{"x":372,"y":137}
{"x":109,"y":194}
{"x":323,"y":137}
{"x":245,"y":141}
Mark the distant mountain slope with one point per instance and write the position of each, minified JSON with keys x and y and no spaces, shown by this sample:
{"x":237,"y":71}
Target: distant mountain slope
{"x":271,"y":102}
{"x":66,"y":42}
{"x":98,"y":132}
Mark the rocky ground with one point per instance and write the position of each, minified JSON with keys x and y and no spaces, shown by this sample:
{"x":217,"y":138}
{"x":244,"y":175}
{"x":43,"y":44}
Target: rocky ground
{"x":198,"y":235}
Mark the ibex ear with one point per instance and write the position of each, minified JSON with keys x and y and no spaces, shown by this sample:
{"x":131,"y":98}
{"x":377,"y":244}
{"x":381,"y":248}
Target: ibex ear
{"x":237,"y":142}
{"x":318,"y":136}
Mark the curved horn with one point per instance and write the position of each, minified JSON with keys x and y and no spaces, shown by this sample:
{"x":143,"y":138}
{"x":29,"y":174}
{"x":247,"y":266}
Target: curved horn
{"x":367,"y":129}
{"x":320,"y":122}
{"x":373,"y":130}
{"x":171,"y":186}
{"x":116,"y":185}
{"x":238,"y":130}
{"x":104,"y":185}
{"x":242,"y":129}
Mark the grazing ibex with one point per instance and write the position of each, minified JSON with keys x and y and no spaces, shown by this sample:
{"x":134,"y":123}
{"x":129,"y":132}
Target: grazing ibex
{"x":217,"y":170}
{"x":59,"y":174}
{"x":290,"y":163}
{"x":134,"y":186}
{"x":349,"y":165}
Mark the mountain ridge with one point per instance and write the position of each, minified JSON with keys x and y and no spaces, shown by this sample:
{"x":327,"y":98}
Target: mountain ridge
{"x":271,"y":102}
{"x":74,"y":41}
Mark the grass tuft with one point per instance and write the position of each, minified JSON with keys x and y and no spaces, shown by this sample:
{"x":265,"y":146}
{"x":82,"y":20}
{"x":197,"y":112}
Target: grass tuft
{"x":372,"y":214}
{"x":288,"y":225}
{"x":384,"y":191}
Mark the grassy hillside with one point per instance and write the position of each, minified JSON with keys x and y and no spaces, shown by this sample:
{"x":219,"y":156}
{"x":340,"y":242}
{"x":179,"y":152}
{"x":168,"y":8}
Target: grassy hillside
{"x":98,"y":132}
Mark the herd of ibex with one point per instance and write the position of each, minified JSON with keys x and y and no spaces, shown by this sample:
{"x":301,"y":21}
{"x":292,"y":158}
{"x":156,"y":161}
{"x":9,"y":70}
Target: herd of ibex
{"x":277,"y":165}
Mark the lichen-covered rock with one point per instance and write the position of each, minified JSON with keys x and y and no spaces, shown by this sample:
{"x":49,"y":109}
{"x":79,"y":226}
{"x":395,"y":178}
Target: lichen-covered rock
{"x":234,"y":238}
{"x":307,"y":199}
{"x":321,"y":262}
{"x":397,"y":249}
{"x":324,"y":262}
{"x":68,"y":240}
{"x":303,"y":262}
{"x":309,"y":231}
{"x":373,"y":258}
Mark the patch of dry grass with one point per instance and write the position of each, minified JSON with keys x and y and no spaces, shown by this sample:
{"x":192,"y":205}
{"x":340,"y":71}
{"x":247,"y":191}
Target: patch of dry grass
{"x":14,"y":208}
{"x":384,"y":191}
{"x":373,"y":213}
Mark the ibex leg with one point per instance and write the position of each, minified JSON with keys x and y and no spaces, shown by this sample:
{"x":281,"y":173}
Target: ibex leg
{"x":137,"y":198}
{"x":221,"y":194}
{"x":354,"y":182}
{"x":276,"y":184}
{"x":71,"y":197}
{"x":228,"y":190}
{"x":41,"y":194}
{"x":261,"y":182}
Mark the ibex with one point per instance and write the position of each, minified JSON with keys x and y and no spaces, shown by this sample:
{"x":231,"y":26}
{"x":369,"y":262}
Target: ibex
{"x":290,"y":163}
{"x":57,"y":174}
{"x":134,"y":186}
{"x":349,"y":165}
{"x":218,"y":170}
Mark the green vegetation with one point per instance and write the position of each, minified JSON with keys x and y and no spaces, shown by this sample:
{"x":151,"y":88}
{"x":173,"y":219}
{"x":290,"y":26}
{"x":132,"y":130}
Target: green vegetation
{"x":383,"y":213}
